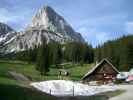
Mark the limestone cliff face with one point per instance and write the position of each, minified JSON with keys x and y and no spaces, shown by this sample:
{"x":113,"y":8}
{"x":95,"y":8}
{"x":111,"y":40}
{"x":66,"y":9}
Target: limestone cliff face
{"x":48,"y":19}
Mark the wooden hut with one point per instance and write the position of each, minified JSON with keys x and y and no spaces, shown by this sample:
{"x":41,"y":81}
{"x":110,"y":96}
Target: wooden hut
{"x":103,"y":72}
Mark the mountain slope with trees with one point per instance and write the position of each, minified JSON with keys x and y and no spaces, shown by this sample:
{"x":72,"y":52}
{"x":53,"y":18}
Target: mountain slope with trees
{"x":54,"y":53}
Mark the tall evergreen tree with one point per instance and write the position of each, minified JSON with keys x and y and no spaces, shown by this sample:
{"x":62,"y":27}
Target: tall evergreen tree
{"x":43,"y":58}
{"x":56,"y":53}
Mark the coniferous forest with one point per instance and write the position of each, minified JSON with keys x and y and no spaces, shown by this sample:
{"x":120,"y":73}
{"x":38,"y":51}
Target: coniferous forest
{"x":118,"y":51}
{"x":54,"y":53}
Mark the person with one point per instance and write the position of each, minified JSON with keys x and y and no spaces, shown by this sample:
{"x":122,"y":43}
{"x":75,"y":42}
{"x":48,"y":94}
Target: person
{"x":66,"y":73}
{"x":59,"y":76}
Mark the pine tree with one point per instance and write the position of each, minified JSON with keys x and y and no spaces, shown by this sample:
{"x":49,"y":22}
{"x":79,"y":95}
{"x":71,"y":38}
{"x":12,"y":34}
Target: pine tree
{"x":43,"y":59}
{"x":56,"y":53}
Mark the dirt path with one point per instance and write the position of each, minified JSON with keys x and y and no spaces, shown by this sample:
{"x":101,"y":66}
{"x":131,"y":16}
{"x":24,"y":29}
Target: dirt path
{"x":127,"y":95}
{"x":18,"y":76}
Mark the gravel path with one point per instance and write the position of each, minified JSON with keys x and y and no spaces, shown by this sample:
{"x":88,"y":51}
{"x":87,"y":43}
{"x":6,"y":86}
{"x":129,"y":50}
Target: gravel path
{"x":127,"y":95}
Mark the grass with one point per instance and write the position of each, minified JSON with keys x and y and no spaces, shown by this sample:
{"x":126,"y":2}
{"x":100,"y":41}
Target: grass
{"x":11,"y":89}
{"x":76,"y":72}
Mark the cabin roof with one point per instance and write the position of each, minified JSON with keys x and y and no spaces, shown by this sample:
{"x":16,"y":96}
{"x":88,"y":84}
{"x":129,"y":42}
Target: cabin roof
{"x":97,"y":65}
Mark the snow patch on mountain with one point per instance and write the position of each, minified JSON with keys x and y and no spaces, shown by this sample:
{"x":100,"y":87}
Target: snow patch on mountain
{"x":2,"y":39}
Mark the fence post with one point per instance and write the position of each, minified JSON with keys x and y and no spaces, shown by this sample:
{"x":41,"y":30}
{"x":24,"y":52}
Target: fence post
{"x":73,"y":90}
{"x":50,"y":92}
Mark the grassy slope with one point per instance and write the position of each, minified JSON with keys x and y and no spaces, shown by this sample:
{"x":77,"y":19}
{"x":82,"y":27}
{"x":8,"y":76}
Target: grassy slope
{"x":11,"y":89}
{"x":76,"y":72}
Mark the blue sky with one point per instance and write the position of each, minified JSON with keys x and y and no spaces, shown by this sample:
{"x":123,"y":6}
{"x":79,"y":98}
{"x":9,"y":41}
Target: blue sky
{"x":97,"y":20}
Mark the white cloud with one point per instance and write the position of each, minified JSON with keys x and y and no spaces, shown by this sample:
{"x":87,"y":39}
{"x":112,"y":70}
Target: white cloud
{"x":18,"y":20}
{"x":93,"y":36}
{"x":6,"y":16}
{"x":97,"y":21}
{"x":97,"y":30}
{"x":82,"y":29}
{"x":102,"y":36}
{"x":129,"y":27}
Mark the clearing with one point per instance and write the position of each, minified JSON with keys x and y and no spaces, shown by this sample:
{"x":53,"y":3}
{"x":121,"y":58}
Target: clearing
{"x":11,"y":89}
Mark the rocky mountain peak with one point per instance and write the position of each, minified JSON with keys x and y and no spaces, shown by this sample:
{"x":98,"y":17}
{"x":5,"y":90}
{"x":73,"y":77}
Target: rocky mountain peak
{"x":4,"y":29}
{"x":47,"y":9}
{"x":48,"y":19}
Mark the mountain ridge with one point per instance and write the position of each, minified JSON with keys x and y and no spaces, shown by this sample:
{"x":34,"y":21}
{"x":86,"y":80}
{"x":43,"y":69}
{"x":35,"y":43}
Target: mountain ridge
{"x":46,"y":23}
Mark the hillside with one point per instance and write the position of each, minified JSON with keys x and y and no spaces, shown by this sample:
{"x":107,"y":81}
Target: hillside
{"x":14,"y":90}
{"x":118,"y":51}
{"x":6,"y":33}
